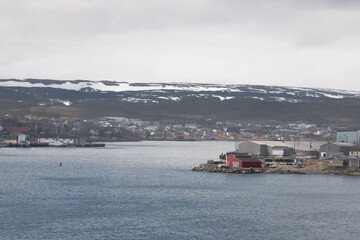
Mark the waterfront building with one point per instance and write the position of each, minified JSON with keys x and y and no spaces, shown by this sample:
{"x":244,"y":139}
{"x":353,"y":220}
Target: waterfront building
{"x":234,"y":162}
{"x":265,"y":148}
{"x":336,"y":149}
{"x":350,"y":136}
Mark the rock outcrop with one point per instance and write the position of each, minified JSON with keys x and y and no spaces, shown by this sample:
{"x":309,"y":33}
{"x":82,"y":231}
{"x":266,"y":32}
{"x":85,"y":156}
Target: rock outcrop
{"x":205,"y":167}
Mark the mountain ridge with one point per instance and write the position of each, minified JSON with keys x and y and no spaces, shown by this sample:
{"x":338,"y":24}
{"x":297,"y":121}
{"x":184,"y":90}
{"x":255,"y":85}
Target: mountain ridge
{"x":121,"y":86}
{"x":198,"y":101}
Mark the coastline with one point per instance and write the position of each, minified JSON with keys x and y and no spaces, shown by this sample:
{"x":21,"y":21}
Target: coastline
{"x":37,"y":145}
{"x":330,"y":170}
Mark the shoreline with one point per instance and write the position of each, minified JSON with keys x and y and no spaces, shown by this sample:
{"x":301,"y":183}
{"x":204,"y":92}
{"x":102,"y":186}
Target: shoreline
{"x":330,"y":170}
{"x":46,"y":145}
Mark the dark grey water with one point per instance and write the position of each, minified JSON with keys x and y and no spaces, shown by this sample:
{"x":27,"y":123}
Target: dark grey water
{"x":146,"y":191}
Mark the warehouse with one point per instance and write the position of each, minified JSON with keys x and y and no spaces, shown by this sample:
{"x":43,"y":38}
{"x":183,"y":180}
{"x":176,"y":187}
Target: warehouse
{"x":336,"y":149}
{"x":265,"y":148}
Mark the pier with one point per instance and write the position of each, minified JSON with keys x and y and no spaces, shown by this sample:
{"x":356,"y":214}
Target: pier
{"x":12,"y":145}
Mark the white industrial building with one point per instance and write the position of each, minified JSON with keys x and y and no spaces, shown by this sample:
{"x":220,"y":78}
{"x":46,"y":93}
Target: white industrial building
{"x":349,"y":136}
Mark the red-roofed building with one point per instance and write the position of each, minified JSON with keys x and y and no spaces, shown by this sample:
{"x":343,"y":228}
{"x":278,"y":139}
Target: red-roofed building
{"x":234,"y":162}
{"x":21,"y":129}
{"x":14,"y":132}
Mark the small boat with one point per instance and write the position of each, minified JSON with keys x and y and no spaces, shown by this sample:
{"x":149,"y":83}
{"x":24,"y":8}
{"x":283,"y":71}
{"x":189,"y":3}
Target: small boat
{"x":57,"y":143}
{"x":25,"y":144}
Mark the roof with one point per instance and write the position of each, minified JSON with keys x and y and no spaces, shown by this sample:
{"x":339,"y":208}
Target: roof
{"x":343,"y":144}
{"x":272,"y":143}
{"x":305,"y":145}
{"x":239,"y":155}
{"x":19,"y":129}
{"x":245,"y":159}
{"x":250,"y":160}
{"x":349,"y":130}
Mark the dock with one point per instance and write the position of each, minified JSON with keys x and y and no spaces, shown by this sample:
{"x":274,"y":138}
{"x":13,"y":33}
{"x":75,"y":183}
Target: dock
{"x":12,"y":145}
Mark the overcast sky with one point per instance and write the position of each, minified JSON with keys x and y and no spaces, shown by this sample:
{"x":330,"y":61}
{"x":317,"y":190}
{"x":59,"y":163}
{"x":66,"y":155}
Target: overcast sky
{"x":304,"y":43}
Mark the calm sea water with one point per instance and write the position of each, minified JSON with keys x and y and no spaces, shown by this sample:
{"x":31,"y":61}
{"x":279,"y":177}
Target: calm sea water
{"x":146,"y":190}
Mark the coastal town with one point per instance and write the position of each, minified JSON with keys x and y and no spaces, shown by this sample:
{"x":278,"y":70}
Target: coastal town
{"x":32,"y":128}
{"x":293,"y":147}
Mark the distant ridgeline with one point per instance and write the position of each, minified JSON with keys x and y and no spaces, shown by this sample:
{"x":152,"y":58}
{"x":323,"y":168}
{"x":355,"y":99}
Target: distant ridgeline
{"x":156,"y":101}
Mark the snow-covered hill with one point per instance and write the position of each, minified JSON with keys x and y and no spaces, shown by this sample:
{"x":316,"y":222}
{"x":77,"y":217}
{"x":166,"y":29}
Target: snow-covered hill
{"x":221,"y":91}
{"x":178,"y":100}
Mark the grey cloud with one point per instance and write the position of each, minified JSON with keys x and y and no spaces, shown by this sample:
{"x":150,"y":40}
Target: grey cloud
{"x":257,"y":41}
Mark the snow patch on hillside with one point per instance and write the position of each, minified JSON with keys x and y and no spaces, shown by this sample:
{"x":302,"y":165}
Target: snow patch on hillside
{"x":258,"y":98}
{"x":333,"y":96}
{"x":138,"y":100}
{"x":52,"y":101}
{"x":193,"y":89}
{"x":282,"y":99}
{"x":223,"y":98}
{"x":175,"y":99}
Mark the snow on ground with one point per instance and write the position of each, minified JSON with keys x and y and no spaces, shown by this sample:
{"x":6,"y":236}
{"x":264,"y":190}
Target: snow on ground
{"x":259,"y":98}
{"x":282,"y":99}
{"x":65,"y":102}
{"x":223,"y":98}
{"x":165,"y":98}
{"x":184,"y":87}
{"x":175,"y":99}
{"x":276,"y":92}
{"x":131,"y":99}
{"x":257,"y":90}
{"x":121,"y":86}
{"x":333,"y":96}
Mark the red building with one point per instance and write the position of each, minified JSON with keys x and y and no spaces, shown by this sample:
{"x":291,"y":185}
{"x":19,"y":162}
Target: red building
{"x":20,"y":129}
{"x":234,"y":162}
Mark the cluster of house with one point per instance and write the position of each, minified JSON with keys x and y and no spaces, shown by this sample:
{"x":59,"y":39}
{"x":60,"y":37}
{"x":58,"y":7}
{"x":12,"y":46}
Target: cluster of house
{"x":67,"y":131}
{"x":23,"y":136}
{"x":290,"y":131}
{"x":180,"y":129}
{"x":122,"y":129}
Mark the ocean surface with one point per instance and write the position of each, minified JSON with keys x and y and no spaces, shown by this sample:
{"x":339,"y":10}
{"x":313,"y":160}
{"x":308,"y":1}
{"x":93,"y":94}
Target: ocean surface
{"x":145,"y":190}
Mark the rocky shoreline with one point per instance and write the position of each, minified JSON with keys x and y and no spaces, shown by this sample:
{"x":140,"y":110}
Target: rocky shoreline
{"x":205,"y":167}
{"x":329,"y":170}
